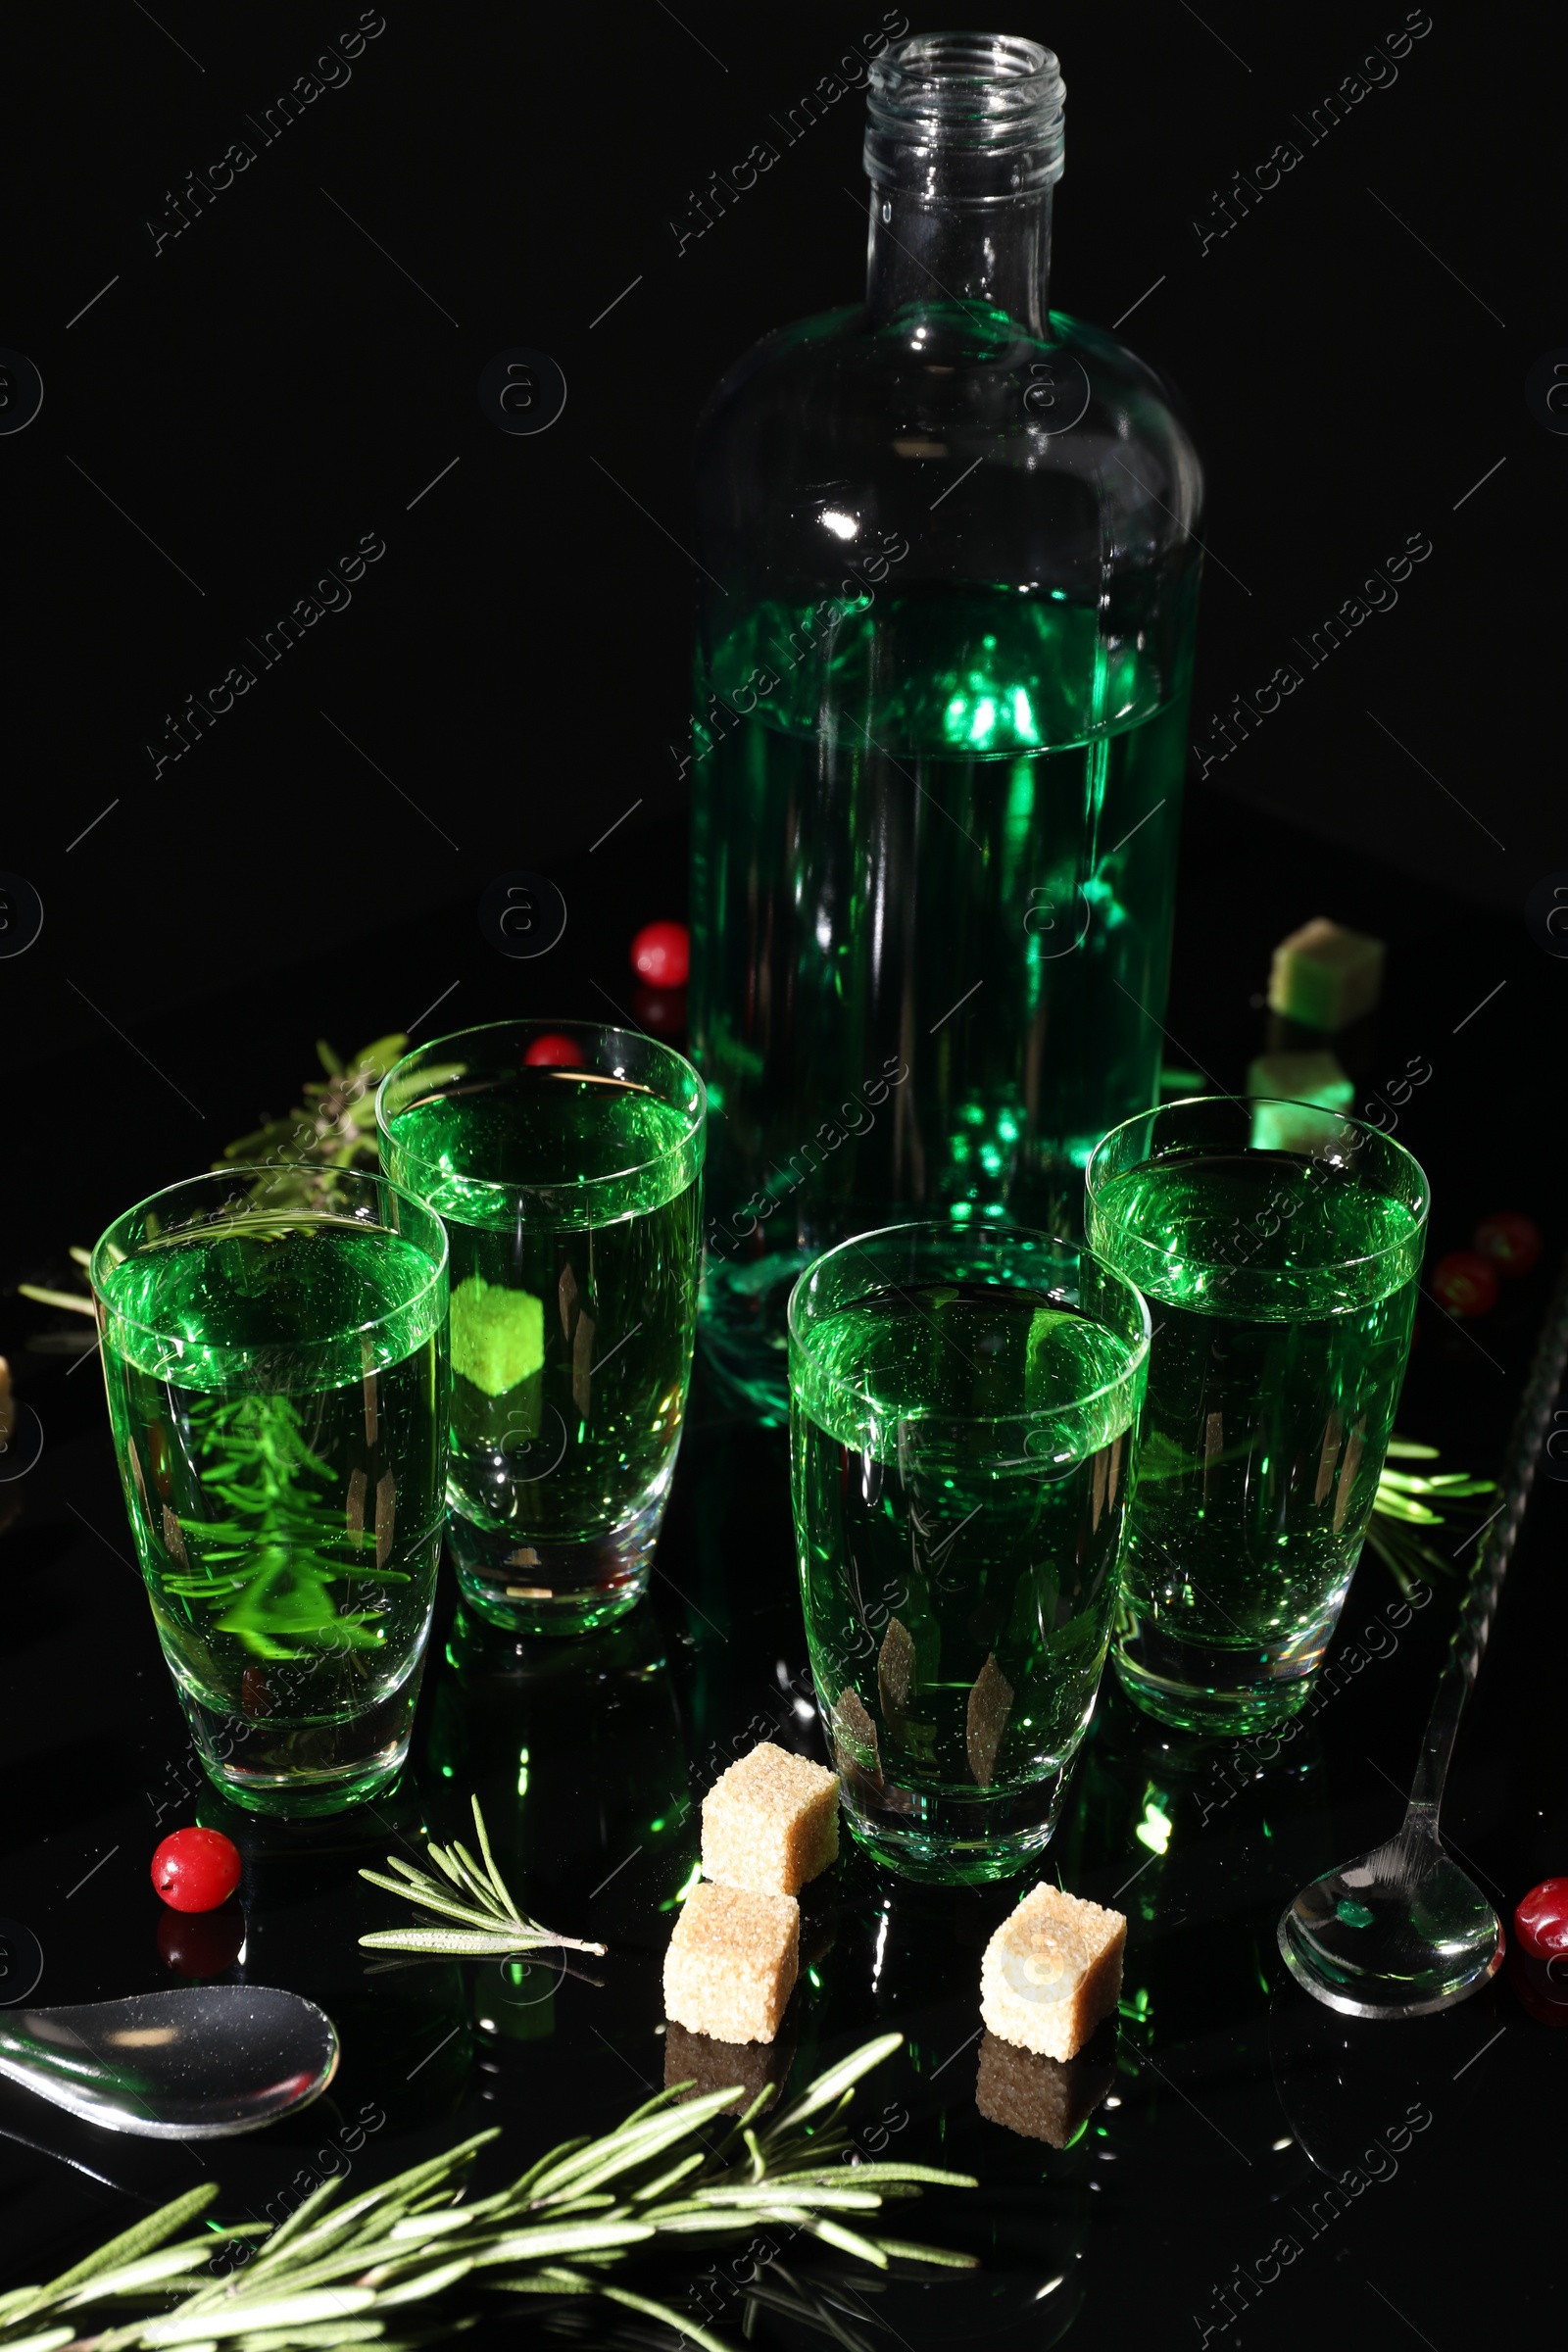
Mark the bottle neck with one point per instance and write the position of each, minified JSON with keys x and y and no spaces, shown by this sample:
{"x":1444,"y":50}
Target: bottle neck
{"x":926,"y":256}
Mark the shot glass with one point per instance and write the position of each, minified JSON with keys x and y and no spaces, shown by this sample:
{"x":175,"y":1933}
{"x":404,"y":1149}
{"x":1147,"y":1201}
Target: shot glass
{"x":565,"y":1159}
{"x":1279,"y":1246}
{"x":278,"y":1391}
{"x":963,"y":1408}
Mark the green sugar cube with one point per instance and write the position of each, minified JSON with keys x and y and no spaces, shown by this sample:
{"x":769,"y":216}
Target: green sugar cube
{"x":498,"y":1336}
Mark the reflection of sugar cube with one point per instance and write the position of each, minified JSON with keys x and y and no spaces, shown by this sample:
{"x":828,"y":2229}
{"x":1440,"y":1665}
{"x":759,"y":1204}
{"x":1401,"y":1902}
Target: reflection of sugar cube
{"x":1291,"y":1080}
{"x":731,"y":1964}
{"x":1042,"y":2098}
{"x":1052,"y":1971}
{"x":752,"y":2067}
{"x":770,"y":1822}
{"x":1326,"y":976}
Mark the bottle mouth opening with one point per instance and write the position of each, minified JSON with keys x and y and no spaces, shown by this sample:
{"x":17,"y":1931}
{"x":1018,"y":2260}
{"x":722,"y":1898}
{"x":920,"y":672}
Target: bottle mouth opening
{"x":987,"y":103}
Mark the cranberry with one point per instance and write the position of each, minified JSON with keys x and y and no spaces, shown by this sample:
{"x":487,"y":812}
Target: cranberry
{"x":196,"y":1870}
{"x":661,"y":954}
{"x":1465,"y":1283}
{"x":1511,"y":1242}
{"x":204,"y":1945}
{"x":1540,"y":1923}
{"x":1537,"y":1956}
{"x":552,"y":1051}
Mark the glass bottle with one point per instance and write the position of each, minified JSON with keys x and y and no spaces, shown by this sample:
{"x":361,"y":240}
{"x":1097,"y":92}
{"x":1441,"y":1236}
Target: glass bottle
{"x":947,"y":592}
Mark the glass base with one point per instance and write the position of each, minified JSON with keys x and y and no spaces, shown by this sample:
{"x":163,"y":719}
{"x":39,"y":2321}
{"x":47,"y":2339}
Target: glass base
{"x":554,"y":1585}
{"x":952,"y":1840}
{"x":1200,"y":1687}
{"x":299,"y":1770}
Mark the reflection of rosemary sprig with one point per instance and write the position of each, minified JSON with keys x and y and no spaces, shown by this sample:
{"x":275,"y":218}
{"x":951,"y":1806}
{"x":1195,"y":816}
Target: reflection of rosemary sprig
{"x":809,"y":2306}
{"x":1408,"y":1500}
{"x":492,"y":1926}
{"x":339,"y":2269}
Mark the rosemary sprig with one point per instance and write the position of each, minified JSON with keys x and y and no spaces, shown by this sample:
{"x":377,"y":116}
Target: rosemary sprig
{"x":339,"y":2268}
{"x":333,"y":1128}
{"x":1405,"y":1502}
{"x":491,"y":1923}
{"x":1408,"y":1500}
{"x":81,"y":1303}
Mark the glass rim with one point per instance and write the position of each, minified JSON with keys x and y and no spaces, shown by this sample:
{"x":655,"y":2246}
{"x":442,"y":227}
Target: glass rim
{"x":938,"y":1230}
{"x":695,"y":1115}
{"x":1095,"y":1179}
{"x":438,"y":1255}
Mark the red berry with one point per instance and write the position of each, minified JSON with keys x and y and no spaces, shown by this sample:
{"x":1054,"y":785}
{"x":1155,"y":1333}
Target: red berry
{"x":204,"y":1945}
{"x":552,"y":1051}
{"x":1465,"y":1284}
{"x":661,"y":954}
{"x":1511,"y":1242}
{"x":196,"y":1870}
{"x":1537,"y":1956}
{"x":1540,"y":1922}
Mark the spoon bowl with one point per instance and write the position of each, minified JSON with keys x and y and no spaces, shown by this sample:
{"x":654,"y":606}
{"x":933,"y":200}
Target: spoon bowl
{"x":1399,"y":1932}
{"x":202,"y":2062}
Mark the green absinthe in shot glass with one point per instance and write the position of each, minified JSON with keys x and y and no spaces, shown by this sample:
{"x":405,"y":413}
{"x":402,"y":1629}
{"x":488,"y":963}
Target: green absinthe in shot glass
{"x":565,"y":1159}
{"x":961,"y":1413}
{"x":278,"y":1389}
{"x":1282,"y":1277}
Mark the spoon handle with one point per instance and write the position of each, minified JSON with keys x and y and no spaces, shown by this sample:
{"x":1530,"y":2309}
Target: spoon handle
{"x":1494,"y":1552}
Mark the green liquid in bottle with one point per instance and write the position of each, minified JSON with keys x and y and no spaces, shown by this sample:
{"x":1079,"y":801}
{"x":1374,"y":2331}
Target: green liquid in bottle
{"x":931,"y":926}
{"x":1282,"y":1291}
{"x":958,"y":1518}
{"x":283,"y":1473}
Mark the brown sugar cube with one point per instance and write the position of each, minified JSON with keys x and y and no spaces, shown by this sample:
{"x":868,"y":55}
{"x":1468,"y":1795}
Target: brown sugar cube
{"x":770,"y":1822}
{"x":1052,"y":1972}
{"x":1326,"y":976}
{"x":1040,"y":2098}
{"x":732,"y":1962}
{"x":751,"y":2067}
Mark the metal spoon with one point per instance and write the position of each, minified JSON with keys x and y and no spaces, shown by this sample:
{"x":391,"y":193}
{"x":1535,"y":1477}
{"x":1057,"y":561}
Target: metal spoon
{"x":197,"y":2063}
{"x":1404,"y":1931}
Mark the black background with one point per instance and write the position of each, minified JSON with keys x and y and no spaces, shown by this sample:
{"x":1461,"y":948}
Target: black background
{"x":269,"y":387}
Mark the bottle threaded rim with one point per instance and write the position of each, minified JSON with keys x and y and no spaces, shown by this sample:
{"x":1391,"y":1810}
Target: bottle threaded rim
{"x":977,"y":113}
